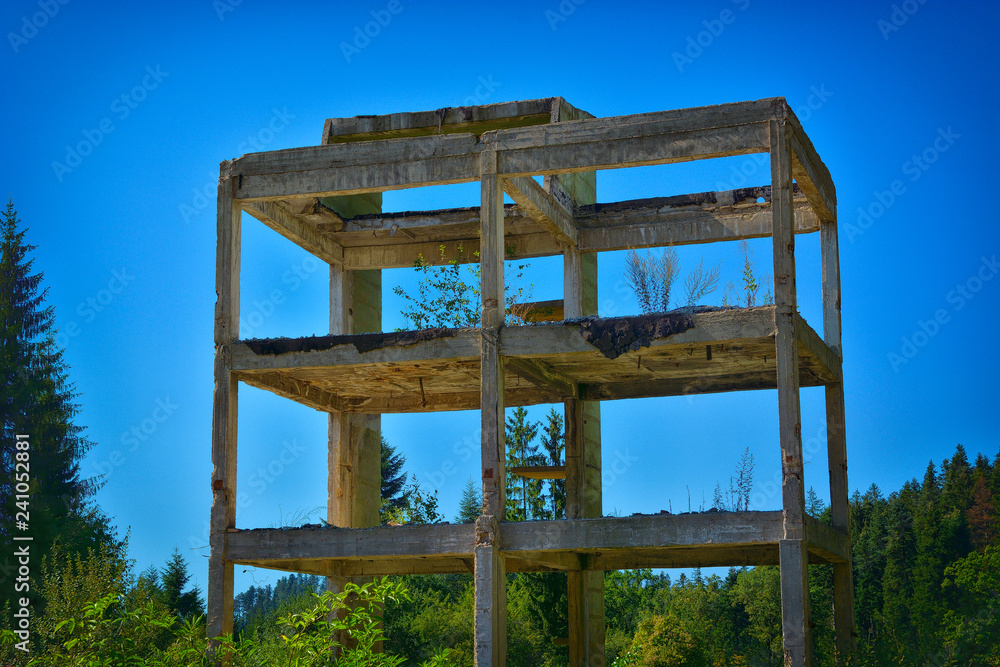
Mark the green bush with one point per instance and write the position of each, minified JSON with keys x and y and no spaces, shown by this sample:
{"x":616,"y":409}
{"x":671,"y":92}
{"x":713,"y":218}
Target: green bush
{"x":116,"y":630}
{"x":662,"y":641}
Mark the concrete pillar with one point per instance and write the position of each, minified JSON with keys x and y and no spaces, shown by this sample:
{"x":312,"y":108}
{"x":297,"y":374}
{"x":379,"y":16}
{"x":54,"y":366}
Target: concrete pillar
{"x":490,"y":571}
{"x":224,"y":404}
{"x":583,"y":437}
{"x":836,"y":444}
{"x":354,"y":470}
{"x":793,"y":556}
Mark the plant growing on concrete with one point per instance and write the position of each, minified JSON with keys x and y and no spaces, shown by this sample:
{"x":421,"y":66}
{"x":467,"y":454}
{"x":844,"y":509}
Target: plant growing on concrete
{"x":448,"y":294}
{"x":652,"y":279}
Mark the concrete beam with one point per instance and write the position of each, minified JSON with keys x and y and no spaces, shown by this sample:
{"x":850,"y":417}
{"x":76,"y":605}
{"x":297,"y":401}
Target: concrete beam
{"x":546,"y":210}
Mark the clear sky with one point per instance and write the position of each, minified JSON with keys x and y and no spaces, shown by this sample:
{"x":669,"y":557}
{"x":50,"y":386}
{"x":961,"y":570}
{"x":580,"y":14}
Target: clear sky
{"x":118,"y":114}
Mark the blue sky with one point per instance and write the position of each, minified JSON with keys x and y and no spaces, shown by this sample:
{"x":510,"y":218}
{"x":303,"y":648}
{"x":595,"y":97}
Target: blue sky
{"x":118,"y":115}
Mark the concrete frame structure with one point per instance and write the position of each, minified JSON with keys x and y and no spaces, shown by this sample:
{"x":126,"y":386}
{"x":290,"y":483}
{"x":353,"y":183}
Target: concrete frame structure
{"x":327,"y":199}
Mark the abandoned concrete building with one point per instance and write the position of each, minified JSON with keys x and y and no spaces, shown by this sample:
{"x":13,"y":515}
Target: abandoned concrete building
{"x":328,"y":200}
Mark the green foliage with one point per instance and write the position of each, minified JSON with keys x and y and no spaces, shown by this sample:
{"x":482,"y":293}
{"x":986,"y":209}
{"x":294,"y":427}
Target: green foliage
{"x":815,"y":507}
{"x":524,"y":495}
{"x":916,"y":563}
{"x":926,"y":557}
{"x":174,"y":579}
{"x":336,"y":621}
{"x":629,"y":595}
{"x":554,"y":444}
{"x":256,"y":608}
{"x":926,"y":593}
{"x":982,"y":515}
{"x":38,"y":400}
{"x":448,"y":294}
{"x":548,"y":607}
{"x":416,"y":506}
{"x":663,"y":641}
{"x":347,"y":624}
{"x":741,"y":484}
{"x":758,"y":592}
{"x":107,"y":632}
{"x":971,"y":626}
{"x":736,"y":498}
{"x":393,"y":476}
{"x":444,"y":297}
{"x":652,"y":279}
{"x":750,"y":285}
{"x":470,"y":506}
{"x":436,"y":616}
{"x":69,"y":582}
{"x":112,"y":629}
{"x":749,"y":282}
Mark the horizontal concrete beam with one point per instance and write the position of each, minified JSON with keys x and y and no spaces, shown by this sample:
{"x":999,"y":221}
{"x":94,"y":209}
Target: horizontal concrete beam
{"x":472,"y":119}
{"x":578,"y":145}
{"x":665,"y":221}
{"x":605,"y":543}
{"x":435,"y":540}
{"x":659,"y":530}
{"x":463,"y":344}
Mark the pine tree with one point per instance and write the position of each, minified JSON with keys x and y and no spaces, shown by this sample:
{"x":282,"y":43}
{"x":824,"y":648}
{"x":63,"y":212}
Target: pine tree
{"x":37,"y":400}
{"x":403,"y":499}
{"x":957,"y":496}
{"x":814,"y":504}
{"x":933,"y":532}
{"x":982,"y":516}
{"x":393,"y":477}
{"x":173,"y":580}
{"x":523,"y":494}
{"x":897,"y":575}
{"x":868,"y":531}
{"x":471,"y":504}
{"x":554,"y":443}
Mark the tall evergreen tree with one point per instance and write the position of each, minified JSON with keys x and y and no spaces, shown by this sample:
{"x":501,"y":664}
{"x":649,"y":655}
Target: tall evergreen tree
{"x":868,"y":539}
{"x":898,"y":576}
{"x":471,"y":504}
{"x":554,"y":443}
{"x":814,"y":504}
{"x":933,"y":531}
{"x":524,"y":495}
{"x":393,"y":476}
{"x":37,"y":400}
{"x":982,"y":516}
{"x":174,"y":580}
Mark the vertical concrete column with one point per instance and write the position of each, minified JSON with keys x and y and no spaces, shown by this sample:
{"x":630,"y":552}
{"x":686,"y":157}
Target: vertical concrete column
{"x":836,"y":443}
{"x":585,"y":592}
{"x":224,"y":412}
{"x":843,"y":579}
{"x":491,"y":595}
{"x":490,"y":572}
{"x":354,"y":456}
{"x":793,"y":557}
